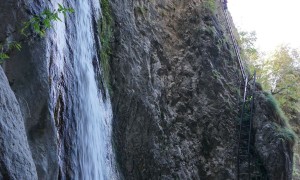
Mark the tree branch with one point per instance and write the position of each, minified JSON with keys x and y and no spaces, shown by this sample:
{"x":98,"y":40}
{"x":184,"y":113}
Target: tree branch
{"x":284,"y":88}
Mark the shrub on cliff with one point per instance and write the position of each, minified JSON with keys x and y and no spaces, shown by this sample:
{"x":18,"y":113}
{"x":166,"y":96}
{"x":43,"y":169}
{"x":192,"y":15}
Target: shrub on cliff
{"x":284,"y":129}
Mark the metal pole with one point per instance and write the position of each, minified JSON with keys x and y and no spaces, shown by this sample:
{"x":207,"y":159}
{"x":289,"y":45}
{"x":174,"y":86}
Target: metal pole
{"x":251,"y":119}
{"x":236,"y":49}
{"x":241,"y":121}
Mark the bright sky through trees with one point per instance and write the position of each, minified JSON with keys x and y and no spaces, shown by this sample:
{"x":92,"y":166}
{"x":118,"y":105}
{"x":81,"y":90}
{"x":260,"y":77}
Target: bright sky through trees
{"x":275,"y":21}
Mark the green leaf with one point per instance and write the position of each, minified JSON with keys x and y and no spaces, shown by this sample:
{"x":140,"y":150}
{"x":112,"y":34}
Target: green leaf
{"x":40,"y":23}
{"x":12,"y":45}
{"x":46,"y":12}
{"x":71,"y":10}
{"x":60,"y":7}
{"x":36,"y":27}
{"x":3,"y":56}
{"x":18,"y":46}
{"x":47,"y":23}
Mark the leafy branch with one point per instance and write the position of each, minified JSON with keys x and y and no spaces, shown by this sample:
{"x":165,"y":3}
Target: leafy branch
{"x":37,"y":25}
{"x":40,"y":23}
{"x":284,"y":88}
{"x":8,"y":46}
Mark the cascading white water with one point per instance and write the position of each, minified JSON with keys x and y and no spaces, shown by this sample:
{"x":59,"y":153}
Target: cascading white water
{"x":93,"y":113}
{"x":85,"y":126}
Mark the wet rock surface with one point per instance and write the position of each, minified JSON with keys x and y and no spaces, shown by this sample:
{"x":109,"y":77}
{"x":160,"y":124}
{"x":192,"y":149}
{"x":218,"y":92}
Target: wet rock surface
{"x":15,"y":157}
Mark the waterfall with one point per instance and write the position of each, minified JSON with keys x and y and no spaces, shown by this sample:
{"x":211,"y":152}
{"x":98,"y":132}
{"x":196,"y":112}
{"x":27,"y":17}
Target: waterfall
{"x":93,"y":115}
{"x":88,"y":115}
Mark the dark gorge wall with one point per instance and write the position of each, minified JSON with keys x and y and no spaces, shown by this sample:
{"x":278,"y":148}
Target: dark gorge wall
{"x":174,"y":88}
{"x":175,"y":91}
{"x":176,"y":95}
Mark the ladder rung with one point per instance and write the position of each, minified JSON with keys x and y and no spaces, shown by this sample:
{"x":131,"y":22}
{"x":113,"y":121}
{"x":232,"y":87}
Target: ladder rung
{"x":246,"y":173}
{"x":243,"y":155}
{"x":245,"y":128}
{"x":245,"y":123}
{"x":244,"y":138}
{"x":244,"y":133}
{"x":245,"y":146}
{"x":243,"y":152}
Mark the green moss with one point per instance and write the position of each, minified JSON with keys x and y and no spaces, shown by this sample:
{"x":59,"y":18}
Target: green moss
{"x":216,"y":74}
{"x":287,"y":134}
{"x":105,"y":28}
{"x":210,"y":4}
{"x":296,"y":172}
{"x":284,"y":129}
{"x":283,"y":120}
{"x":142,"y":10}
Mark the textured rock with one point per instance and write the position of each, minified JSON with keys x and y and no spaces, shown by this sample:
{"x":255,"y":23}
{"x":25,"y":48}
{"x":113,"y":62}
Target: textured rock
{"x":175,"y":85}
{"x":175,"y":94}
{"x":27,"y":72}
{"x":273,"y":148}
{"x":15,"y":157}
{"x":295,"y":123}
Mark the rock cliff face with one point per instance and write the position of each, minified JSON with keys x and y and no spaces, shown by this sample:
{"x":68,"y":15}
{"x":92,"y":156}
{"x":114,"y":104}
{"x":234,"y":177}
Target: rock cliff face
{"x":27,"y":72}
{"x":295,"y":123}
{"x":271,"y":141}
{"x":15,"y":157}
{"x":175,"y":94}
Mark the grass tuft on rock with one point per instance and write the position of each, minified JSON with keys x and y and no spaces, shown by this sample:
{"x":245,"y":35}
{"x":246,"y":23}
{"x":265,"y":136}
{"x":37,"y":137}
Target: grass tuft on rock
{"x":210,"y":4}
{"x":287,"y":134}
{"x":277,"y":111}
{"x":284,"y":129}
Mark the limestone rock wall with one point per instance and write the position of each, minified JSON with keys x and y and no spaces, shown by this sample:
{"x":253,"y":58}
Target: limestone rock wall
{"x":175,"y":91}
{"x":28,"y":75}
{"x":271,"y":143}
{"x":175,"y":83}
{"x":15,"y":156}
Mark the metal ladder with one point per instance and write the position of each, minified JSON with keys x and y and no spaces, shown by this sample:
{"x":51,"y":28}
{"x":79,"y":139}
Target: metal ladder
{"x":248,"y":165}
